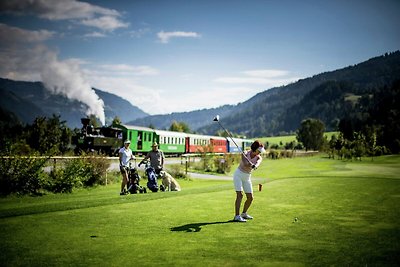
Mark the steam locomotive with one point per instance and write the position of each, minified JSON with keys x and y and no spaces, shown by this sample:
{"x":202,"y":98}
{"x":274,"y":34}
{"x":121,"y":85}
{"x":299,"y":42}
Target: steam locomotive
{"x":103,"y":140}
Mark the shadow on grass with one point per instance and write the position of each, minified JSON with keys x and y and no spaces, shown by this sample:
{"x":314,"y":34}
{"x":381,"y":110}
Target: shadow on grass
{"x":195,"y":227}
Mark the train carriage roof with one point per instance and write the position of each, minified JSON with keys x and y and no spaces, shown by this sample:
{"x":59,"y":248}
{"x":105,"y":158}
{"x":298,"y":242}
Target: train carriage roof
{"x":170,"y":133}
{"x":137,"y":128}
{"x":217,"y":137}
{"x":198,"y":136}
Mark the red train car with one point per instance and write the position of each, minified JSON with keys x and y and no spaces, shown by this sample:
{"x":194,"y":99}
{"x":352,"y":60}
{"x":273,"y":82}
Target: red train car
{"x":197,"y":143}
{"x":218,"y":144}
{"x":205,"y":143}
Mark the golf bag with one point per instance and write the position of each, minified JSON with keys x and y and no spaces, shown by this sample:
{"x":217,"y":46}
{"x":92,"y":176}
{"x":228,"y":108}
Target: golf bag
{"x":133,"y":182}
{"x":152,"y":183}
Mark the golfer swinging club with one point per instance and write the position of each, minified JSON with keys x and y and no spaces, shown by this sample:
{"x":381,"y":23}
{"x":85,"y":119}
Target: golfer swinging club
{"x":250,"y":161}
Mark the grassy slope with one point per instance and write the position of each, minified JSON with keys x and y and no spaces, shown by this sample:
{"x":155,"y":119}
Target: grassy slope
{"x":347,"y":214}
{"x":288,"y":138}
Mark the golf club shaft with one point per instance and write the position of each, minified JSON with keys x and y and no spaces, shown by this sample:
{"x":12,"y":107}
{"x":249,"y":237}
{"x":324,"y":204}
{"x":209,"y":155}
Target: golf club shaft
{"x":244,"y":155}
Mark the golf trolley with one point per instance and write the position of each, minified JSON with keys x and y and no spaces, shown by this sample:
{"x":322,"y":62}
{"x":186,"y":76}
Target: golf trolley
{"x":152,"y":183}
{"x":133,"y":182}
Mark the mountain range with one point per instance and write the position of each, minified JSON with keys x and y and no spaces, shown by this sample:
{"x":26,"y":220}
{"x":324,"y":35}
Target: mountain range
{"x":28,"y":100}
{"x":280,"y":110}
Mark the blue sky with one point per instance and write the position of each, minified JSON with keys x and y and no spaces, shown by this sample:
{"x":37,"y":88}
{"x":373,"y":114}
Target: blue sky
{"x":173,"y":56}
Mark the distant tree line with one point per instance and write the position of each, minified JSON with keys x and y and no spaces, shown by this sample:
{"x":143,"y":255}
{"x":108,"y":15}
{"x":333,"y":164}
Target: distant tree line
{"x":372,"y":129}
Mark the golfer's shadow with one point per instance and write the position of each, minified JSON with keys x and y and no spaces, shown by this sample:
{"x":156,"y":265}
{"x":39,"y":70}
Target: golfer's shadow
{"x":195,"y":227}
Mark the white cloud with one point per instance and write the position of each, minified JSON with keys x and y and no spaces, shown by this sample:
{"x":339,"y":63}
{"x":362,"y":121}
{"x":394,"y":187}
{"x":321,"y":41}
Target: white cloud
{"x":139,"y":33}
{"x":13,"y":35}
{"x":56,"y":10}
{"x":106,"y":23}
{"x":166,"y":36}
{"x":127,"y":70}
{"x":265,"y":77}
{"x":82,"y":12}
{"x":125,"y":81}
{"x":266,"y":73}
{"x":146,"y":98}
{"x":95,"y":35}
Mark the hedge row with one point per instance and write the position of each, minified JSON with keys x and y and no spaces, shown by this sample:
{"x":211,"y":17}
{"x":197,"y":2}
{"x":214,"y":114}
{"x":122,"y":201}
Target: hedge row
{"x":26,"y":175}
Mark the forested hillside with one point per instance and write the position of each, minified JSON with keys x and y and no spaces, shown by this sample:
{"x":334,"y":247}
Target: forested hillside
{"x":326,"y":96}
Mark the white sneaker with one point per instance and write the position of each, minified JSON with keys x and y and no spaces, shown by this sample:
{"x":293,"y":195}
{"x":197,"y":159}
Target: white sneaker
{"x":246,"y":216}
{"x":238,"y":218}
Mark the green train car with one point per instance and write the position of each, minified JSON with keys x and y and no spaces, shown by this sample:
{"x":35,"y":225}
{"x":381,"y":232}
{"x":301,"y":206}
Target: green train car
{"x":170,"y":142}
{"x":141,"y":137}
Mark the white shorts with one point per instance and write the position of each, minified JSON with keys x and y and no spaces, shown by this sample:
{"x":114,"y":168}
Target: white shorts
{"x":242,"y":181}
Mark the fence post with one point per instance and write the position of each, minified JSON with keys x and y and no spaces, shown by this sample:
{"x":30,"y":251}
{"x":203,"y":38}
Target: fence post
{"x":186,"y":163}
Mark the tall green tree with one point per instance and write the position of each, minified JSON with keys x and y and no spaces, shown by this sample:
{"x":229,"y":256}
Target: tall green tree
{"x":116,"y":121}
{"x":311,"y":134}
{"x":49,"y":135}
{"x":179,"y":127}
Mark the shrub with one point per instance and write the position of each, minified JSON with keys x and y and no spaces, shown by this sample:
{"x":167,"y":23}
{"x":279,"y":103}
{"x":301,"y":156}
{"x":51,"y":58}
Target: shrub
{"x":98,"y":167}
{"x":228,"y":161}
{"x":273,"y":154}
{"x":84,"y":171}
{"x":22,"y":175}
{"x":177,"y":171}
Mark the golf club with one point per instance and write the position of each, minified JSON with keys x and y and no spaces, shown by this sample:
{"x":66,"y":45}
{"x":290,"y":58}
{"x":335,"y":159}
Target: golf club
{"x":216,"y":118}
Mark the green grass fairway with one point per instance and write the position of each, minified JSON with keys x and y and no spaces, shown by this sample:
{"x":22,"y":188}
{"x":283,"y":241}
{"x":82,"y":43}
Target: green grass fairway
{"x":288,"y":138}
{"x":311,"y":212}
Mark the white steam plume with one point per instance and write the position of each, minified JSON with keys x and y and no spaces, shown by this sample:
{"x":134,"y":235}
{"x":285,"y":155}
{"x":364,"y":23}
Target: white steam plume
{"x":23,"y":57}
{"x":65,"y":78}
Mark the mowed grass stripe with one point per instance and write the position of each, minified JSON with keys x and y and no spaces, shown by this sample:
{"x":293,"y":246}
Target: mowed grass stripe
{"x":102,"y":196}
